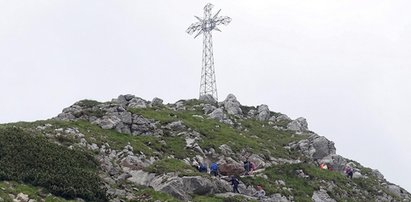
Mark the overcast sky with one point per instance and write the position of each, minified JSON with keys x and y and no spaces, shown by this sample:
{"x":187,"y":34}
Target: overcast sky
{"x":344,"y":65}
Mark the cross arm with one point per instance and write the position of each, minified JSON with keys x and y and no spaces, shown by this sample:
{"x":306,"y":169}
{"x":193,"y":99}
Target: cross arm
{"x":194,"y":28}
{"x":222,"y":20}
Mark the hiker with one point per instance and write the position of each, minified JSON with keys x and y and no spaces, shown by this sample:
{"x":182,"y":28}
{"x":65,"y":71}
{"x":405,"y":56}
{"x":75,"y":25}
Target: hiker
{"x":349,"y":171}
{"x":214,"y":169}
{"x":252,"y":167}
{"x":260,"y":193}
{"x":202,"y":168}
{"x":323,"y":166}
{"x":234,"y":181}
{"x":246,"y":167}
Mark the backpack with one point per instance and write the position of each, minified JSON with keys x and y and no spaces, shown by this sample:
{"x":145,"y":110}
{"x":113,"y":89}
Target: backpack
{"x":202,"y":168}
{"x":246,"y":165}
{"x":214,"y":167}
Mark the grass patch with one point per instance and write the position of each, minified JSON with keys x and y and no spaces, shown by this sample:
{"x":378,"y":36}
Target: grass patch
{"x":149,"y":195}
{"x":215,"y":133}
{"x":35,"y":161}
{"x":171,"y":165}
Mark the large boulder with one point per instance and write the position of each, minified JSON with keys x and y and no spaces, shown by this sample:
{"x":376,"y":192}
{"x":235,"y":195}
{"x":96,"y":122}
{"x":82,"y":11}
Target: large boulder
{"x":231,"y":169}
{"x":208,"y":99}
{"x":140,"y":177}
{"x":322,"y":196}
{"x":263,"y":113}
{"x":184,"y":187}
{"x":142,"y":126}
{"x":282,"y":117}
{"x":232,"y":105}
{"x":137,"y":102}
{"x":315,"y":147}
{"x":157,"y":102}
{"x":298,"y":125}
{"x":225,"y":150}
{"x":378,"y":174}
{"x":323,"y":147}
{"x":108,"y":122}
{"x":217,"y":114}
{"x":208,"y":108}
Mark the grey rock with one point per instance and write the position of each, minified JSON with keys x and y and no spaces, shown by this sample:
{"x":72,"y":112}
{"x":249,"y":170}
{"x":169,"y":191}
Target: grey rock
{"x":180,"y":105}
{"x":276,"y":198}
{"x":232,"y":106}
{"x":94,"y":147}
{"x":157,"y":102}
{"x":208,"y":108}
{"x":217,"y":114}
{"x":263,"y":113}
{"x":252,"y":113}
{"x":273,"y":119}
{"x":323,"y":147}
{"x":258,"y":161}
{"x":316,"y":147}
{"x":208,"y":99}
{"x":282,"y":117}
{"x":22,"y":197}
{"x":142,"y":126}
{"x":108,"y":122}
{"x":299,"y":125}
{"x":137,"y":103}
{"x":322,"y":196}
{"x":176,"y":126}
{"x":396,"y":190}
{"x":300,"y":173}
{"x":123,"y":128}
{"x":357,"y":175}
{"x":140,"y":177}
{"x":126,"y":117}
{"x":121,"y":100}
{"x":377,"y":174}
{"x":226,"y":150}
{"x":65,"y":116}
{"x":128,"y":97}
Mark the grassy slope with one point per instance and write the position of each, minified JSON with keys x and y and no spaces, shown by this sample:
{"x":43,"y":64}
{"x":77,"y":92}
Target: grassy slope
{"x":258,"y":138}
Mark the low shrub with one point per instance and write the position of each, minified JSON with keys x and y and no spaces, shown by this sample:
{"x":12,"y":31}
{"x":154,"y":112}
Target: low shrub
{"x":34,"y":160}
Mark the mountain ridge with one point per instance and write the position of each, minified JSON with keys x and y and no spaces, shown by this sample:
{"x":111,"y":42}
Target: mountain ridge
{"x":140,"y":144}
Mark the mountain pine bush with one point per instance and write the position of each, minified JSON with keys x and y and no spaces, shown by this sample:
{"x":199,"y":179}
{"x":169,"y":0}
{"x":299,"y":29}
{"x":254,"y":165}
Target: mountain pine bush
{"x":34,"y":160}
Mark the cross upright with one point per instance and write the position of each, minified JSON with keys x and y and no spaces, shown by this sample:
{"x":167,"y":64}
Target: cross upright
{"x":208,"y":23}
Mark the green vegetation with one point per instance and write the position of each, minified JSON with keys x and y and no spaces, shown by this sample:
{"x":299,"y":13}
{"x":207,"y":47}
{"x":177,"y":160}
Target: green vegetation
{"x":149,"y":195}
{"x":148,"y":145}
{"x":35,"y":161}
{"x":171,"y":165}
{"x":90,"y":109}
{"x":36,"y":167}
{"x":303,"y":188}
{"x":268,"y":141}
{"x":33,"y":192}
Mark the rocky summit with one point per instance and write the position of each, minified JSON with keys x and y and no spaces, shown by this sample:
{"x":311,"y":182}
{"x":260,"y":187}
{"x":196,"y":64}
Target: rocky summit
{"x":132,"y":149}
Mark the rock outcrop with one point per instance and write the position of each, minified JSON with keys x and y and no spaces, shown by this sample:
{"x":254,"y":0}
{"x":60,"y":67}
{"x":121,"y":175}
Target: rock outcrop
{"x":299,"y":125}
{"x":190,"y":133}
{"x":232,"y":106}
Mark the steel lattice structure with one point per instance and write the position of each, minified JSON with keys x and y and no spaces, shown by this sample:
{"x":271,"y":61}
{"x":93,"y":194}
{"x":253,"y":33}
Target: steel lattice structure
{"x":205,"y":26}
